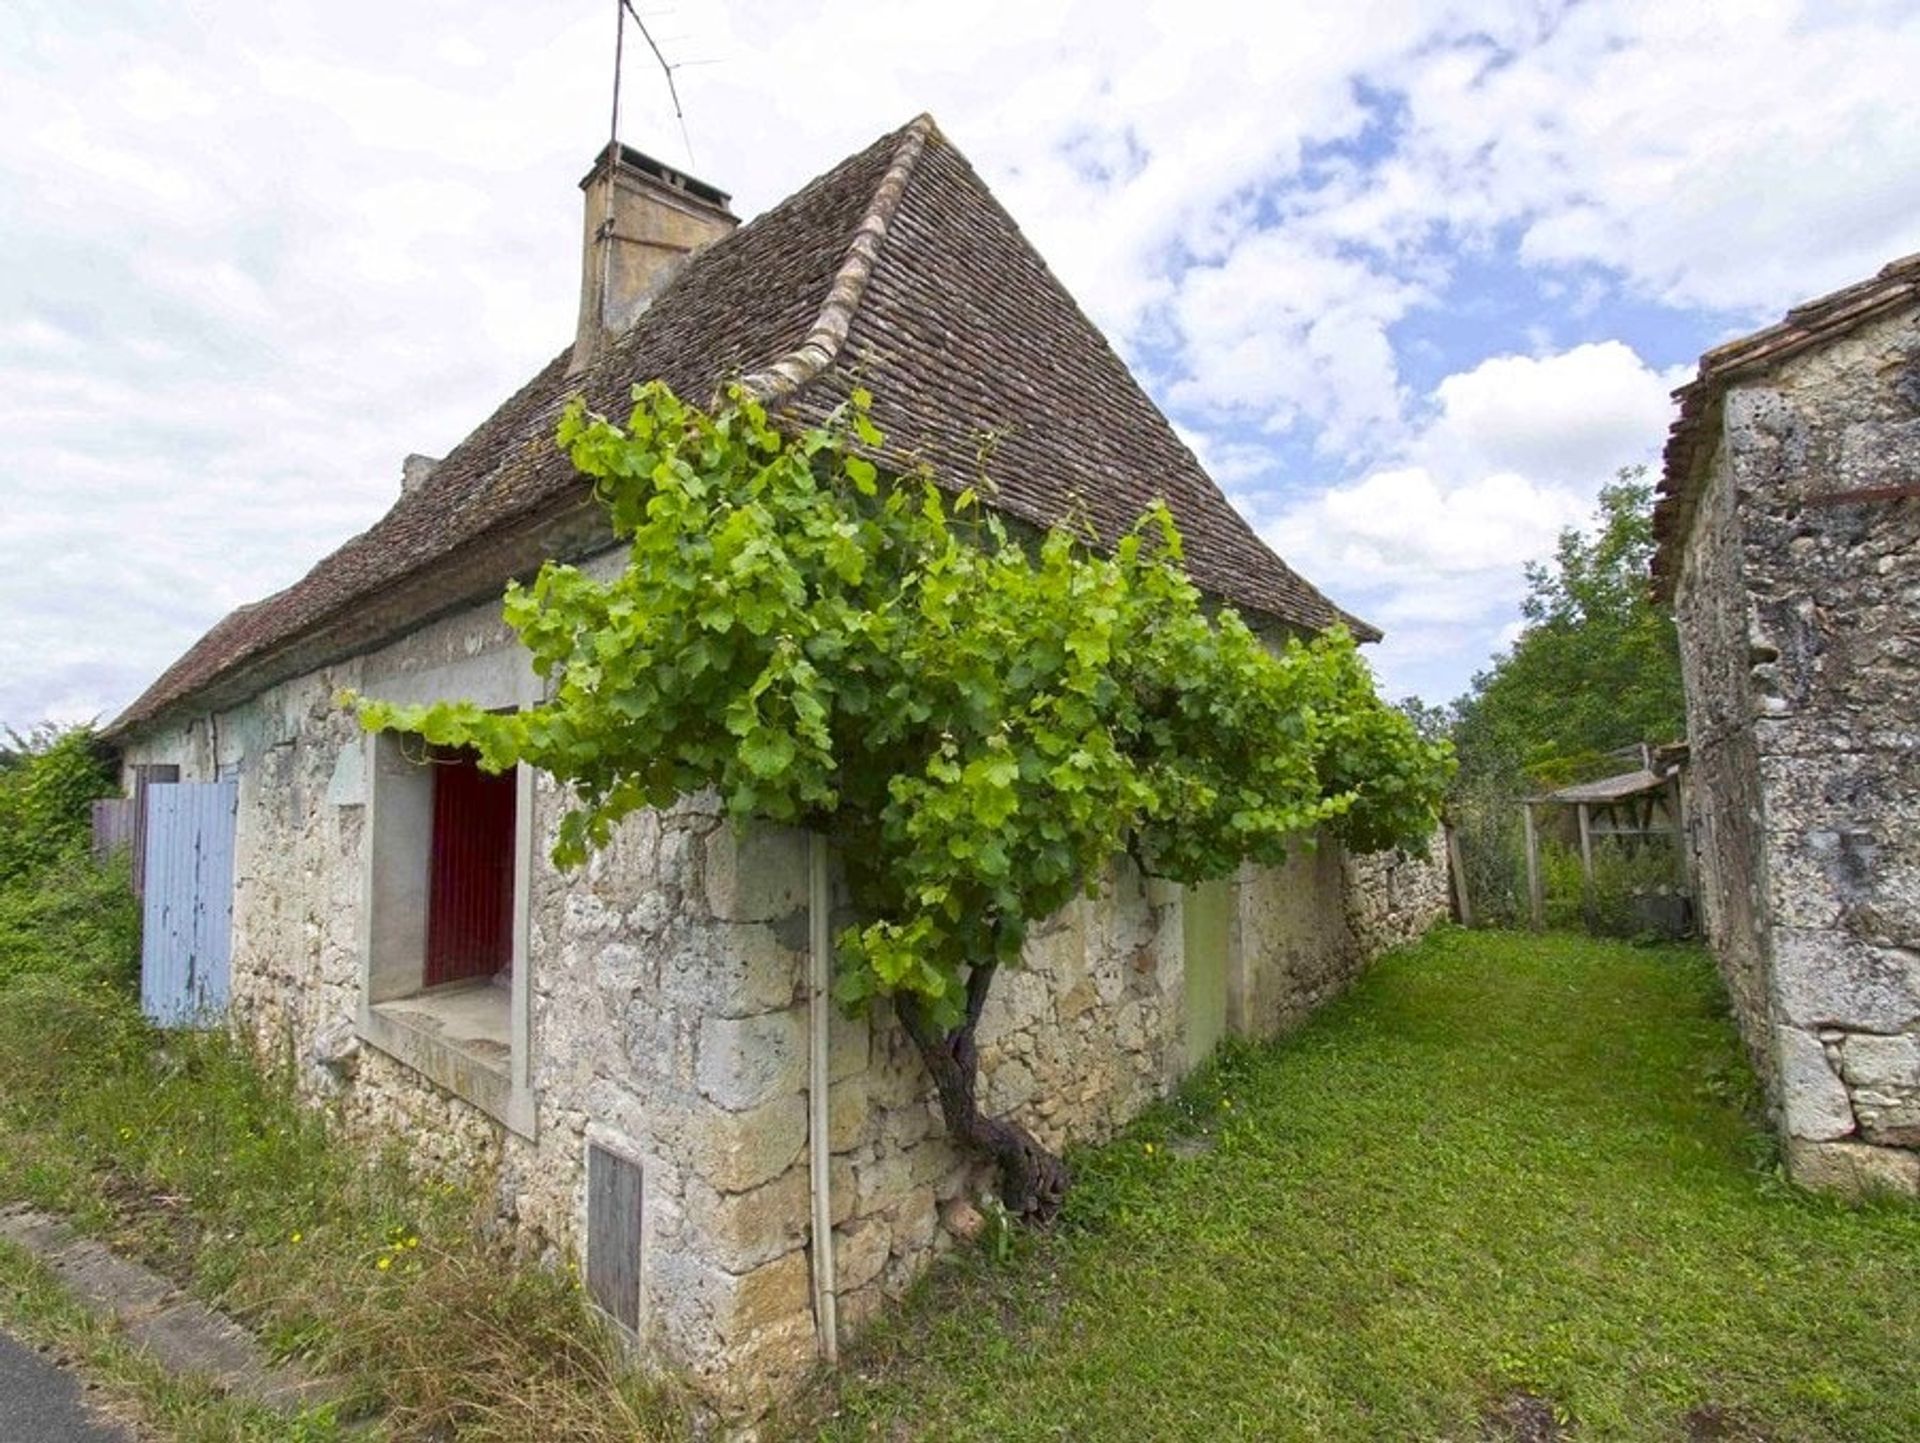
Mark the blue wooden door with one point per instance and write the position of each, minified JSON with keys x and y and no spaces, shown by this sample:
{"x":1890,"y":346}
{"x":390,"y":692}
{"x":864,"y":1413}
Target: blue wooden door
{"x":186,"y":934}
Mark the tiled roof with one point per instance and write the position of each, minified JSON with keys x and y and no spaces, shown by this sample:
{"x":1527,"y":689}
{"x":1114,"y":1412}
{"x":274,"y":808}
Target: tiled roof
{"x":1695,"y":432}
{"x":896,"y":270}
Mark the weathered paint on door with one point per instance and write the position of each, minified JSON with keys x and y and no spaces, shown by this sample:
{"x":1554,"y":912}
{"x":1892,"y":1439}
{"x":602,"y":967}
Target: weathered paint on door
{"x":1206,"y":912}
{"x":186,"y":920}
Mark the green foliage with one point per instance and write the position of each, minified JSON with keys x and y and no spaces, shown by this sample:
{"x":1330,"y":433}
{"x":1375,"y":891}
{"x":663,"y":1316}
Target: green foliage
{"x":59,"y":912}
{"x":979,"y":719}
{"x":47,"y":778}
{"x":1606,"y":905}
{"x":1597,"y":667}
{"x":73,"y":919}
{"x":1596,"y":670}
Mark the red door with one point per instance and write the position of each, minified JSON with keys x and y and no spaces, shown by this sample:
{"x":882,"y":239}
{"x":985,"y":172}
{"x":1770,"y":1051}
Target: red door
{"x":470,"y":891}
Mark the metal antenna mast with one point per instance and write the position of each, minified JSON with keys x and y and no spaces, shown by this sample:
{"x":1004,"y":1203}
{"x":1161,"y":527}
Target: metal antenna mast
{"x":622,"y":9}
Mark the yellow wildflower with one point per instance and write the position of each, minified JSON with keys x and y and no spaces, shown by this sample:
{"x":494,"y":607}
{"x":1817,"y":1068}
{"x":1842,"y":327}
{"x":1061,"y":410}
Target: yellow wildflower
{"x":384,"y":1263}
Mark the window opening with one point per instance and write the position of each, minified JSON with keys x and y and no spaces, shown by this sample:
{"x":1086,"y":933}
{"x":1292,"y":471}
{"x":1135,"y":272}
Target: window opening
{"x":470,"y":879}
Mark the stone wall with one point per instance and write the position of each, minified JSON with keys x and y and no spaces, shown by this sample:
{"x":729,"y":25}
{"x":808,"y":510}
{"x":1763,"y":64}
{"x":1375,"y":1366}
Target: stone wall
{"x":1722,"y":778}
{"x":1802,"y":659}
{"x":667,"y":1020}
{"x":1089,"y":1031}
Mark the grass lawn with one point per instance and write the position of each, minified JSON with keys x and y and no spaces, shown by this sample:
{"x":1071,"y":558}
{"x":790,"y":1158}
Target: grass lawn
{"x":1509,"y":1187}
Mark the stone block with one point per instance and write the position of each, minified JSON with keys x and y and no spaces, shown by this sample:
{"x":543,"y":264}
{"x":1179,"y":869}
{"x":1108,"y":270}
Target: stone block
{"x":860,"y":1251}
{"x":1010,"y":1086}
{"x":755,"y":873}
{"x":1824,"y":978}
{"x":962,"y":1219}
{"x":772,"y":1293}
{"x":733,"y":969}
{"x":843,"y":1190}
{"x":1815,"y":1100}
{"x":736,"y":1151}
{"x":1889,"y":1065}
{"x":846,"y":1113}
{"x":746,"y":1061}
{"x":883,"y":1179}
{"x":1885,"y":1075}
{"x":858,"y":1307}
{"x":908,"y":1124}
{"x":748,"y":1379}
{"x":740,"y":1231}
{"x":913,"y":1220}
{"x":1853,"y":1169}
{"x":849,"y":1045}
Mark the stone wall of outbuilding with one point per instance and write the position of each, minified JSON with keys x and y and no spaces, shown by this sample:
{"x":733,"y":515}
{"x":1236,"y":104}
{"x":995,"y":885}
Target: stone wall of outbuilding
{"x":667,"y":1022}
{"x":1801,"y":646}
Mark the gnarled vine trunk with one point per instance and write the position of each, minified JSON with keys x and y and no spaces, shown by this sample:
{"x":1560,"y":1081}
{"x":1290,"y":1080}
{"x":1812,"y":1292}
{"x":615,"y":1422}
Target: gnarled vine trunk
{"x":1033,"y":1181}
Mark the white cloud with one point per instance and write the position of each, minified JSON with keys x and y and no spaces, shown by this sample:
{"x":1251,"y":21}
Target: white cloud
{"x":245,"y":267}
{"x":1431,"y":550}
{"x":1570,"y":418}
{"x":1283,"y":329}
{"x":1736,"y":155}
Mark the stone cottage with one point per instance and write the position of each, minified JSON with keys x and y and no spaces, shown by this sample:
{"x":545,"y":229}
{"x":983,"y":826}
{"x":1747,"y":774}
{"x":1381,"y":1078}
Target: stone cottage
{"x":1789,"y":529}
{"x":636,"y":1059}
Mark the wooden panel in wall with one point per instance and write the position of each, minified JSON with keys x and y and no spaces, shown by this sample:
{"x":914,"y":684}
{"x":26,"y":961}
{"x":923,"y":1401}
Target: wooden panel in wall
{"x":613,"y":1235}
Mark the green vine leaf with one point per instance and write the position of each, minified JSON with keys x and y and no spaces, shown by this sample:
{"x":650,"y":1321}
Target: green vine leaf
{"x":980,"y":721}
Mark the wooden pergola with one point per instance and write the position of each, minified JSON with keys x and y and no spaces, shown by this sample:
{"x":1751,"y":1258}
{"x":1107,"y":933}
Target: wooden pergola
{"x":1627,"y":805}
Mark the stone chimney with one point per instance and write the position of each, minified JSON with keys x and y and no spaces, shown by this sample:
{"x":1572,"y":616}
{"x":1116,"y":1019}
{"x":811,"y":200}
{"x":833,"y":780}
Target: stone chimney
{"x":415,"y":470}
{"x":658,"y":217}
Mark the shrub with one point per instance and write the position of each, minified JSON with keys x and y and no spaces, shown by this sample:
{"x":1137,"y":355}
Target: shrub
{"x":72,"y":919}
{"x":47,"y":779}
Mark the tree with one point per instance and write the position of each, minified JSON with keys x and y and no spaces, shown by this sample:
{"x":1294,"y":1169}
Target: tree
{"x":1597,"y":666}
{"x":978,"y":720}
{"x":47,"y":778}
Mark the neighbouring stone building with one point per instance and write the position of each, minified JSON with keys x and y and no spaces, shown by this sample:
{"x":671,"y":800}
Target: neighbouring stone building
{"x":630,"y":1055}
{"x":1789,"y":526}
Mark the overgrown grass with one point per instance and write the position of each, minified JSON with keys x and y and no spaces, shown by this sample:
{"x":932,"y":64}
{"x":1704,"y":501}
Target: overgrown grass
{"x":34,"y":1304}
{"x":178,"y":1148}
{"x":1503,"y":1168}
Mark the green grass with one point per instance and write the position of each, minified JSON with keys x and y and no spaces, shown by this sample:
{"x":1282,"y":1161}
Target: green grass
{"x":1501,"y":1166}
{"x":181,"y":1150}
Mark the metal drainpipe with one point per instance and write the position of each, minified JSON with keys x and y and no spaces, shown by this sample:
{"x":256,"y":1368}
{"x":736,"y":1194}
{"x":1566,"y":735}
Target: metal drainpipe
{"x":819,"y":1000}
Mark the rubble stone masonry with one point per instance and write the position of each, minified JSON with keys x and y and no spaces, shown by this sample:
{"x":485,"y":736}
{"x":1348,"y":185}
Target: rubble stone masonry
{"x":1799,"y":618}
{"x":667,"y":1020}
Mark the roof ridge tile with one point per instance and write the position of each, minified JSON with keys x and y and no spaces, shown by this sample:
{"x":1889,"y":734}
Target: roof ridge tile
{"x":788,"y":373}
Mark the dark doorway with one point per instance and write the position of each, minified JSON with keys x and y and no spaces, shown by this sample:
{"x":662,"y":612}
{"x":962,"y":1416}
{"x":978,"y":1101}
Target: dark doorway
{"x":470,"y":887}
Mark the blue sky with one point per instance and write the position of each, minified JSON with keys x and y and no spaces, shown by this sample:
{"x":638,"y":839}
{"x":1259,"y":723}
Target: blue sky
{"x":1413,"y":278}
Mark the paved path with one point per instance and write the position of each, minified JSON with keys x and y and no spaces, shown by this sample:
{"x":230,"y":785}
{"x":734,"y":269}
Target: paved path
{"x":181,"y":1334}
{"x":40,"y":1402}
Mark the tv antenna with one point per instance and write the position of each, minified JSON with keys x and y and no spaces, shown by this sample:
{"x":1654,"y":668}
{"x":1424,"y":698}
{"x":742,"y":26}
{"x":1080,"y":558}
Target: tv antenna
{"x":622,"y":9}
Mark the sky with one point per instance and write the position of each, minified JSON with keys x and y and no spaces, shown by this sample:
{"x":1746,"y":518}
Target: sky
{"x":1413,"y":279}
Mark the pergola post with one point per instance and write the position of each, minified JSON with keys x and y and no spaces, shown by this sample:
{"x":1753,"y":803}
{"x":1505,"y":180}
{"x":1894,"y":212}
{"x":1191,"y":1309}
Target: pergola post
{"x":1456,"y":868}
{"x":1536,"y":904}
{"x":1586,"y":846}
{"x":1682,"y":833}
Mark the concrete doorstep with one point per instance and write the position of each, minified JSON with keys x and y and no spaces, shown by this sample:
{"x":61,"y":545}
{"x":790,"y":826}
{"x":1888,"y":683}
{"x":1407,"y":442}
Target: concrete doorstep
{"x":183,"y":1335}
